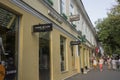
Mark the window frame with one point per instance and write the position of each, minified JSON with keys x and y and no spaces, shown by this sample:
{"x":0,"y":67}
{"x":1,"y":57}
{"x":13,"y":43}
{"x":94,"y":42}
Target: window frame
{"x":63,"y":53}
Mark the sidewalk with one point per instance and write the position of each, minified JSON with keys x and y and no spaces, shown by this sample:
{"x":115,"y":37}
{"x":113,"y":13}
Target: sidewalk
{"x":98,"y":75}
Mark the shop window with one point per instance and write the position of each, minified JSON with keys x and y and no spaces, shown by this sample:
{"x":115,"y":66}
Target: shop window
{"x":73,"y":57}
{"x":8,"y":43}
{"x":63,"y":53}
{"x":79,"y":50}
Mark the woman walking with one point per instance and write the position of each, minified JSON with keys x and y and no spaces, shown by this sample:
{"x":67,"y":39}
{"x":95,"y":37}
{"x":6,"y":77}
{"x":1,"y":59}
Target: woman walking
{"x":94,"y":63}
{"x":101,"y":61}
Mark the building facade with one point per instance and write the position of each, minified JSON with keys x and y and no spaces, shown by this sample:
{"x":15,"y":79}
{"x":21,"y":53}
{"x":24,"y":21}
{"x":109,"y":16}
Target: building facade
{"x":46,"y":39}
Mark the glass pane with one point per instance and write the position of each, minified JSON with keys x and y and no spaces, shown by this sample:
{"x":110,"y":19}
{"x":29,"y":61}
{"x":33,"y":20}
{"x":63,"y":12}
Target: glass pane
{"x":8,"y":43}
{"x":62,"y":53}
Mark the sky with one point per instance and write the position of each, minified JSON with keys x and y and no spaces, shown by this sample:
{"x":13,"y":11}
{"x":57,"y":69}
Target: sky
{"x":97,"y":9}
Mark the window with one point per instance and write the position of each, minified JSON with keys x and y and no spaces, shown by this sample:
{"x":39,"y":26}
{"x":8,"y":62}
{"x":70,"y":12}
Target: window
{"x":8,"y":42}
{"x":79,"y":50}
{"x":63,"y":6}
{"x":71,"y":9}
{"x":50,"y":2}
{"x":63,"y":53}
{"x":73,"y":57}
{"x":72,"y":13}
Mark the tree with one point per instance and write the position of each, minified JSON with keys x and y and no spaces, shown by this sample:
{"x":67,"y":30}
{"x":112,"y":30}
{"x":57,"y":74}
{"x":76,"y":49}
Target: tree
{"x":108,"y":30}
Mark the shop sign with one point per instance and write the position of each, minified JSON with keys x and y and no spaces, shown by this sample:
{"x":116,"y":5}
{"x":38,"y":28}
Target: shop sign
{"x":75,"y":42}
{"x":42,"y":27}
{"x":74,"y":18}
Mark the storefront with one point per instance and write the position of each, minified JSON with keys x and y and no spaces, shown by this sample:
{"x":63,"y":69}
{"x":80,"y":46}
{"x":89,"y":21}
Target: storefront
{"x":38,"y":43}
{"x":35,"y":54}
{"x":44,"y":49}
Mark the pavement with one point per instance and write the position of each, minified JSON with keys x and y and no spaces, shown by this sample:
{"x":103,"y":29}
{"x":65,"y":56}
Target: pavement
{"x":98,"y":75}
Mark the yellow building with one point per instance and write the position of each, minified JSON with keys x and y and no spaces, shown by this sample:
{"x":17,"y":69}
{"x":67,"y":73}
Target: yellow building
{"x":42,"y":42}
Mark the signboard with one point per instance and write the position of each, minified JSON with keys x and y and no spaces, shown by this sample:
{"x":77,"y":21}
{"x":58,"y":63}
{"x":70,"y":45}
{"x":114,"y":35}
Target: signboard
{"x":74,"y":18}
{"x":42,"y":27}
{"x":75,"y":42}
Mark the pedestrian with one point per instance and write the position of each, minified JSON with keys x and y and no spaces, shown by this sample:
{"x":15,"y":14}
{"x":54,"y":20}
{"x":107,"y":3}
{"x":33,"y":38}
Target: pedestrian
{"x":109,"y":62}
{"x":95,"y":63}
{"x":101,"y":61}
{"x":119,"y":62}
{"x":105,"y":60}
{"x":113,"y":64}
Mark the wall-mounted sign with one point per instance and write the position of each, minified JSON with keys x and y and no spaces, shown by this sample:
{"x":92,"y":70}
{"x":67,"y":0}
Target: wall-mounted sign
{"x":75,"y":42}
{"x":74,"y":18}
{"x":42,"y":27}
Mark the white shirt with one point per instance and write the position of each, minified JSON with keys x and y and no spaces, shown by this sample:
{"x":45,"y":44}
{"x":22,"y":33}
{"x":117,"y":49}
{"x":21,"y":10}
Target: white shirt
{"x":101,"y":61}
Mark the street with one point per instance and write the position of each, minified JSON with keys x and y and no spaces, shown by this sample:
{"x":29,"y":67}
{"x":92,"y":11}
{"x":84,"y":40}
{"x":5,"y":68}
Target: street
{"x":98,"y":75}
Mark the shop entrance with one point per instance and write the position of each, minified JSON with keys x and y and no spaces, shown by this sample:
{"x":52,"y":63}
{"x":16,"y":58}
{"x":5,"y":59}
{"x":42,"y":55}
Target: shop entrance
{"x":44,"y":56}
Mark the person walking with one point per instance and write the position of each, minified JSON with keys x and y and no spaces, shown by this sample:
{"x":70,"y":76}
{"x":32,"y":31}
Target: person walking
{"x":113,"y":64}
{"x":101,"y":61}
{"x":95,"y":63}
{"x":109,"y":63}
{"x":119,"y":63}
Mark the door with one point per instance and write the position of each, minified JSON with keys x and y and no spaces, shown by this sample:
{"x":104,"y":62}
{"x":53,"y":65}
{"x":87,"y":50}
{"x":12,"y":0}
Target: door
{"x":44,"y":56}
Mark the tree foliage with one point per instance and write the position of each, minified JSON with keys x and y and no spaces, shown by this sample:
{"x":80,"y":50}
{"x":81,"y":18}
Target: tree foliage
{"x":109,"y":29}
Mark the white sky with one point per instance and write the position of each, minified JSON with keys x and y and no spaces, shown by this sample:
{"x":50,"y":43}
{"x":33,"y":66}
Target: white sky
{"x":97,"y":9}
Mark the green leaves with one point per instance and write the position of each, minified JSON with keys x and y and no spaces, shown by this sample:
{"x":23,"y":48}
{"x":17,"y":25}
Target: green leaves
{"x":109,"y":30}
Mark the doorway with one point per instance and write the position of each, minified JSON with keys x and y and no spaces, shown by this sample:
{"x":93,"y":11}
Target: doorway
{"x":44,"y":56}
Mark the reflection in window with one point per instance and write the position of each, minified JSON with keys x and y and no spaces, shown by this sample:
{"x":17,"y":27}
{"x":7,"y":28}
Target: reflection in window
{"x":71,"y":9}
{"x":8,"y":37}
{"x":63,"y":53}
{"x":63,"y":6}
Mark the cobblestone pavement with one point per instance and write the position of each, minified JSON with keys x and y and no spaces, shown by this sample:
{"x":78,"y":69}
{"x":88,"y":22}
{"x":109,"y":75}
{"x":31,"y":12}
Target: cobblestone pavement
{"x":98,"y":75}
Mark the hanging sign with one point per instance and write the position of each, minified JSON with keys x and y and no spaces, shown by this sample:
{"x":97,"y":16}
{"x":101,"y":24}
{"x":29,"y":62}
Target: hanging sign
{"x":42,"y":27}
{"x":75,"y":42}
{"x":74,"y":18}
